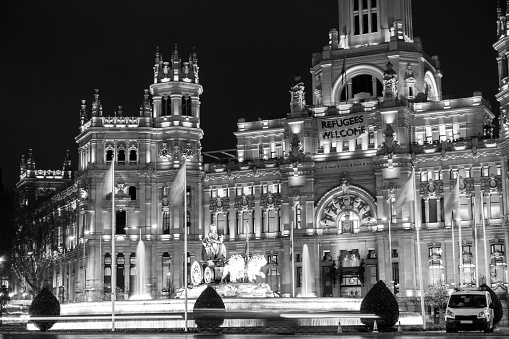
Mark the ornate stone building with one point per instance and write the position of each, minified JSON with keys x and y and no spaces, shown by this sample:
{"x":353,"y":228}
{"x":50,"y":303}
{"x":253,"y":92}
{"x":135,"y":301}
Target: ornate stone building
{"x":331,"y":170}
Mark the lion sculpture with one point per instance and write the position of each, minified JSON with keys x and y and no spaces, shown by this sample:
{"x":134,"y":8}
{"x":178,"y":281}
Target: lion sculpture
{"x":239,"y":270}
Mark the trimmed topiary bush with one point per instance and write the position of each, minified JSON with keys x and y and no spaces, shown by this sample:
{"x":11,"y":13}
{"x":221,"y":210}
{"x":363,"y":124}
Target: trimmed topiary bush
{"x":45,"y":304}
{"x":209,"y":310}
{"x":380,"y":301}
{"x":498,"y":311}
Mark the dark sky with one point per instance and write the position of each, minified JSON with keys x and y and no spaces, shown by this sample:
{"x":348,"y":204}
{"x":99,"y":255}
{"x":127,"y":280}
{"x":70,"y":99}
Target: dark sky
{"x":54,"y":53}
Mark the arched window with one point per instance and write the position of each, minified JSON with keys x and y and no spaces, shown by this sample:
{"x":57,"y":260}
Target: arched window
{"x":109,"y":154}
{"x":121,"y":156}
{"x":133,"y":155}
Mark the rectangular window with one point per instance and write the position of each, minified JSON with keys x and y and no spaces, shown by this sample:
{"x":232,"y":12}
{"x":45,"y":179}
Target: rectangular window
{"x":498,"y":265}
{"x":121,"y":222}
{"x":432,"y":213}
{"x":166,"y":222}
{"x":357,"y":27}
{"x":373,"y":4}
{"x":371,"y":137}
{"x":395,"y":272}
{"x":495,"y":206}
{"x":356,"y":5}
{"x":365,"y":24}
{"x":374,"y":22}
{"x":299,"y":277}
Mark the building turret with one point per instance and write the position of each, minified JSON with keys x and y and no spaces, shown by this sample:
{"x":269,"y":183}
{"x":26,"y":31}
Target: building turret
{"x":502,"y":47}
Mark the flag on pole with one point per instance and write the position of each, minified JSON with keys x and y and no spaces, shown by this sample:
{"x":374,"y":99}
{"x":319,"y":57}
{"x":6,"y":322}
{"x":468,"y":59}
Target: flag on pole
{"x":177,"y":188}
{"x":343,"y":71}
{"x":108,"y":180}
{"x":407,"y":192}
{"x":452,"y":202}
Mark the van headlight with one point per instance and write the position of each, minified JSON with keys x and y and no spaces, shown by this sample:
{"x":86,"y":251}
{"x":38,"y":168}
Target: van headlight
{"x":483,"y":314}
{"x":449,"y":314}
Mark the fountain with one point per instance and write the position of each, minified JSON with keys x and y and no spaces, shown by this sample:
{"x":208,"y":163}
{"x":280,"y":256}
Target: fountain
{"x":308,"y":274}
{"x":140,"y":288}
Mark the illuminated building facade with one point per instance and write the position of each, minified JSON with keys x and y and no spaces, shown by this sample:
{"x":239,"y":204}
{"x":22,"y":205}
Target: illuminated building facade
{"x":332,"y":170}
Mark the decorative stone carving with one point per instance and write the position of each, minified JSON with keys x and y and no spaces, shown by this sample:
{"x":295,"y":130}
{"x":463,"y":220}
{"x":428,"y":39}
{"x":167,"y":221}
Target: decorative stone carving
{"x":431,"y":188}
{"x":244,"y":202}
{"x":219,"y":204}
{"x":164,"y":152}
{"x":187,"y":151}
{"x":491,"y":184}
{"x":270,"y":200}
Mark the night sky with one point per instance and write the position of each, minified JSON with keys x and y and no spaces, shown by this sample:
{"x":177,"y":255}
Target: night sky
{"x":54,"y":53}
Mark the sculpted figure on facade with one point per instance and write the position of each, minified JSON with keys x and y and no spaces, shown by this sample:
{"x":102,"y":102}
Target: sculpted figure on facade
{"x":390,"y":83}
{"x":213,"y":244}
{"x":296,"y":152}
{"x":298,"y":101}
{"x":318,"y":91}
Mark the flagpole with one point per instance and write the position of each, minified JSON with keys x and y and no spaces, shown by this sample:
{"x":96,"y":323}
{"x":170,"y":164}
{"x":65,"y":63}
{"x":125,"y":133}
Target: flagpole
{"x":185,"y":246}
{"x":113,"y":251}
{"x":486,"y":267}
{"x":419,"y":257}
{"x":390,"y":240}
{"x":291,"y":260}
{"x":475,"y":244}
{"x":453,"y":252}
{"x":460,"y":249}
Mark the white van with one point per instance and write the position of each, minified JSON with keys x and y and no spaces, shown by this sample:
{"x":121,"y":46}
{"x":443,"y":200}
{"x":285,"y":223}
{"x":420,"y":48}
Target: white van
{"x":469,"y":310}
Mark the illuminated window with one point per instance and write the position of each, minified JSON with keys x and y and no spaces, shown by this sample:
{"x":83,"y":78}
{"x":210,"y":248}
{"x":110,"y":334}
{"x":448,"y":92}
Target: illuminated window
{"x":435,"y":266}
{"x":494,"y":206}
{"x":486,"y":171}
{"x":468,"y":265}
{"x":498,"y":265}
{"x":166,"y":222}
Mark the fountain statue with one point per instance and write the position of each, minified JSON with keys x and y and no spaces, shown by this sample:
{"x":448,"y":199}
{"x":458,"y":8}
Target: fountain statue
{"x":231,"y":277}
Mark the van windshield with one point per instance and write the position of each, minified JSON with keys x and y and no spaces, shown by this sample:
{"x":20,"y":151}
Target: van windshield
{"x":472,"y":301}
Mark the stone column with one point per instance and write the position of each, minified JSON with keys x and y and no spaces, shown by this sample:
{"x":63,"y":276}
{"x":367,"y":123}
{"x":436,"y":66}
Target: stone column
{"x":373,"y":82}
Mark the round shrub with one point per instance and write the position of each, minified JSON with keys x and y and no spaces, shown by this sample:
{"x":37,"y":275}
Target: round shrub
{"x":45,"y":304}
{"x":498,"y":311}
{"x":380,"y":301}
{"x":209,"y":310}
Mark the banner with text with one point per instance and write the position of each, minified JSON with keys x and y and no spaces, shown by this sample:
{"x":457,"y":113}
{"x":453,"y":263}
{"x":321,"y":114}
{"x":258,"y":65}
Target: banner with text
{"x":342,"y":128}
